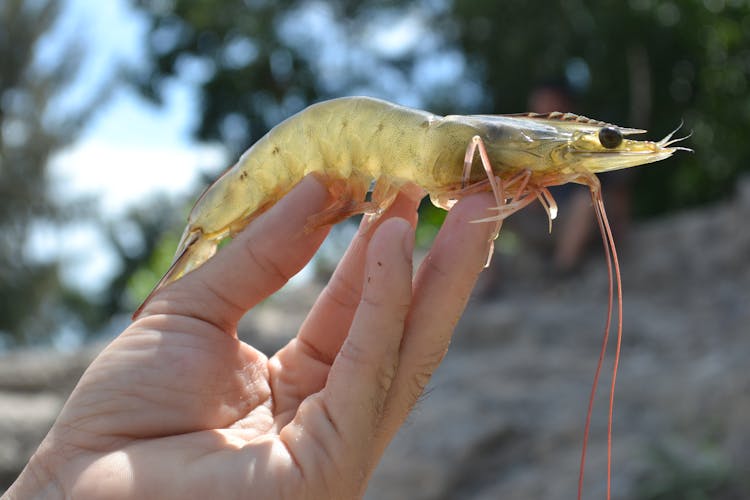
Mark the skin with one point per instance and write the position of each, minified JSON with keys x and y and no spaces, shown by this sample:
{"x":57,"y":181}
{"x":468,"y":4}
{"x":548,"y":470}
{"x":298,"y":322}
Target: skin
{"x":178,"y":407}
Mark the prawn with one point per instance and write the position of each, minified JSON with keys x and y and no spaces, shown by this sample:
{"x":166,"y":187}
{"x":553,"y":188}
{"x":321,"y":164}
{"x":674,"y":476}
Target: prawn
{"x":352,"y":142}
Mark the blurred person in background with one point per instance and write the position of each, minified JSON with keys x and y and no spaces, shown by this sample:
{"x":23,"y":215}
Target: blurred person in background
{"x":577,"y":224}
{"x":575,"y":227}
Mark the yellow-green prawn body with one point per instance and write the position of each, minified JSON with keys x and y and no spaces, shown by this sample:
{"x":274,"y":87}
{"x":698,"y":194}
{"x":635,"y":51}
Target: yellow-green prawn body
{"x":351,"y":143}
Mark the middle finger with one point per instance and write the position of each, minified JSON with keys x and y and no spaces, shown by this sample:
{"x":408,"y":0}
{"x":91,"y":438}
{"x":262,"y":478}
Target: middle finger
{"x":301,"y":367}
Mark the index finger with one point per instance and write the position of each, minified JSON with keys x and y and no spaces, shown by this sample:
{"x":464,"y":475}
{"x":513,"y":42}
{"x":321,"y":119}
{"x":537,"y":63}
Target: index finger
{"x":260,"y":259}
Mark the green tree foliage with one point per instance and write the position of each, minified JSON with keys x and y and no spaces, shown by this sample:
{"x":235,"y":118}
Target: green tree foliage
{"x":646,"y":63}
{"x":651,"y":63}
{"x":144,"y":240}
{"x":258,"y":61}
{"x":34,"y":124}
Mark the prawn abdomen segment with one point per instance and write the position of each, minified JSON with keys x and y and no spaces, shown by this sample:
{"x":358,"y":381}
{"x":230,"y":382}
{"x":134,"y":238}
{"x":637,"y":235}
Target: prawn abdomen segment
{"x":356,"y":138}
{"x":368,"y":137}
{"x":347,"y":143}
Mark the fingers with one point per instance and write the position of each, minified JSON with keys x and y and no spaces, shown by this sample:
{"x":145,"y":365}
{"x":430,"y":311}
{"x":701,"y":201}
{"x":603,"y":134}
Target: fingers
{"x":258,"y":262}
{"x":301,"y":367}
{"x":363,"y":371}
{"x":344,"y":417}
{"x":441,"y":289}
{"x":398,"y":336}
{"x":327,"y":325}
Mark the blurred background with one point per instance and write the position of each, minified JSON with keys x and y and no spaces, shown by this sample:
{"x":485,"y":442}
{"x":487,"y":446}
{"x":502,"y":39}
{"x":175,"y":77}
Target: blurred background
{"x":115,"y":115}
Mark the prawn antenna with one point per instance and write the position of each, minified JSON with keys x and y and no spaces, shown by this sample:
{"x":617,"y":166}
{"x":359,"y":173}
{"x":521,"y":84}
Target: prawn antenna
{"x":615,"y":280}
{"x":668,"y":141}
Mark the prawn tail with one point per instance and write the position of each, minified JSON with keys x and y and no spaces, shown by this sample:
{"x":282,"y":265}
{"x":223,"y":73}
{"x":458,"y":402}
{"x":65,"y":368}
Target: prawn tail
{"x":194,"y":249}
{"x":615,"y":283}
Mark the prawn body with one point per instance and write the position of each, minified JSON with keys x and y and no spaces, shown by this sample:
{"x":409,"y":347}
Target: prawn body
{"x":352,"y":144}
{"x":347,"y":142}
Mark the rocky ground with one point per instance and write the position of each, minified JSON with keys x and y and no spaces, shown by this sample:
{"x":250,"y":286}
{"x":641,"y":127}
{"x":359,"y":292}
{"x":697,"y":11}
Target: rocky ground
{"x":503,"y":416}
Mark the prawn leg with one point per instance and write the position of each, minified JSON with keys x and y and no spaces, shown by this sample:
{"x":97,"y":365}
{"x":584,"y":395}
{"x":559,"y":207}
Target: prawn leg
{"x":349,"y":196}
{"x":350,"y":200}
{"x":477,"y":144}
{"x":383,"y":196}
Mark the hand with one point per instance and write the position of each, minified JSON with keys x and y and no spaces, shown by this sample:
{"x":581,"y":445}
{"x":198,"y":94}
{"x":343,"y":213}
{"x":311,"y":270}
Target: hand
{"x":178,"y":407}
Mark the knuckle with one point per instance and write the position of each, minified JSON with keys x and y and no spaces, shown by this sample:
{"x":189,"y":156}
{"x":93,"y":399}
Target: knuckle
{"x":384,"y":376}
{"x":343,"y":292}
{"x":382,"y":372}
{"x":438,"y":267}
{"x":392,"y":309}
{"x":422,"y":371}
{"x":267,"y":263}
{"x":352,"y":353}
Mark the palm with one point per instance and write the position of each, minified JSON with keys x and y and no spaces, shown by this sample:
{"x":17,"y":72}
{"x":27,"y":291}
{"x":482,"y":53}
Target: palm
{"x":198,"y":403}
{"x":178,"y":407}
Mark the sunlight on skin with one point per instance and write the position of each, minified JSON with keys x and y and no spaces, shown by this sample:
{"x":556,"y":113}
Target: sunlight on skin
{"x":178,"y":407}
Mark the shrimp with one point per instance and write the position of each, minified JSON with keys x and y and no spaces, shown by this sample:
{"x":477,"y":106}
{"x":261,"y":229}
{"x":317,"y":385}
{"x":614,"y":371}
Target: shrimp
{"x":350,"y":143}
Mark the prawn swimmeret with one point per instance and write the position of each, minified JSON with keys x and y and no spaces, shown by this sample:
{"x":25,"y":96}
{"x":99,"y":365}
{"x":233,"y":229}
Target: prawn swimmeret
{"x":352,"y":142}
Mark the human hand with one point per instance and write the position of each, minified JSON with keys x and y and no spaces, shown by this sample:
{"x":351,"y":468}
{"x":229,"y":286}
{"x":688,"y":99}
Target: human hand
{"x":178,"y":407}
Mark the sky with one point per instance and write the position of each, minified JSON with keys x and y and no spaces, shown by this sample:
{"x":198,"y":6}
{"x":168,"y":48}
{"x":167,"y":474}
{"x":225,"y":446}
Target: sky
{"x":133,"y":149}
{"x":130,"y":151}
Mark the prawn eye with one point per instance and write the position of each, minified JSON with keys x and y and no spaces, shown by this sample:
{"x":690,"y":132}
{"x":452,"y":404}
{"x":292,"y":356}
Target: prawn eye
{"x":610,"y":137}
